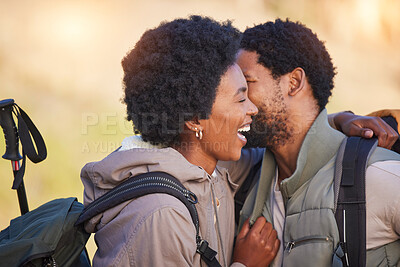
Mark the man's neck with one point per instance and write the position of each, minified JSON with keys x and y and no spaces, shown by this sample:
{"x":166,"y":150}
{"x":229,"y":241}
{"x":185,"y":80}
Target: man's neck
{"x":286,"y":155}
{"x":286,"y":158}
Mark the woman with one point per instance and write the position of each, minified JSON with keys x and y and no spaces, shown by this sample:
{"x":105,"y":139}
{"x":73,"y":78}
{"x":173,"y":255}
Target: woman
{"x":188,"y":99}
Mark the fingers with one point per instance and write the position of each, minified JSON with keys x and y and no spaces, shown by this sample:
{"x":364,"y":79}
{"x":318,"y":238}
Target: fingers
{"x":277,"y":244}
{"x":258,"y":245}
{"x":258,"y":224}
{"x":270,"y":243}
{"x":268,"y":234}
{"x":391,"y":138}
{"x":368,"y":124}
{"x":367,"y":133}
{"x":245,"y":229}
{"x":267,"y":230}
{"x":256,"y":228}
{"x":261,"y":230}
{"x":387,"y":136}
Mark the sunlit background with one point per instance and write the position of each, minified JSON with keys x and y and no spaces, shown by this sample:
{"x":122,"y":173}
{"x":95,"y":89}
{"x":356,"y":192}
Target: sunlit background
{"x":60,"y":61}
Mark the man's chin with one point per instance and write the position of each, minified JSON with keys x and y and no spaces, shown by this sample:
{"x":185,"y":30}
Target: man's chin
{"x":255,"y":140}
{"x":268,"y":136}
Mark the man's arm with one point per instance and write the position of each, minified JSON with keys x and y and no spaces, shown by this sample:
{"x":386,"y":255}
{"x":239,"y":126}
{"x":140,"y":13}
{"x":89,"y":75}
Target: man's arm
{"x":366,"y":126}
{"x":346,"y":122}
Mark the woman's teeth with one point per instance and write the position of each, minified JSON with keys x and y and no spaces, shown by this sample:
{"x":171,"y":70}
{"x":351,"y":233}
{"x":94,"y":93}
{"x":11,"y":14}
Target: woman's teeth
{"x":245,"y":128}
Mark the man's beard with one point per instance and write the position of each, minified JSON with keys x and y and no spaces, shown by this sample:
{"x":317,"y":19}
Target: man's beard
{"x":270,"y":126}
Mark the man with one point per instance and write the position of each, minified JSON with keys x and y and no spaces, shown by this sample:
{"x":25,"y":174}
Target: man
{"x":290,"y":78}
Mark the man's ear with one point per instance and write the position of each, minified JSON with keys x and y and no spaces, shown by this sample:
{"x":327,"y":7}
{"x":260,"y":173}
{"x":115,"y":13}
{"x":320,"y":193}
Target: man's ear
{"x":297,"y":81}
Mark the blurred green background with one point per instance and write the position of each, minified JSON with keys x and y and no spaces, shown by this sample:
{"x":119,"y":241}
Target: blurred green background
{"x":60,"y":61}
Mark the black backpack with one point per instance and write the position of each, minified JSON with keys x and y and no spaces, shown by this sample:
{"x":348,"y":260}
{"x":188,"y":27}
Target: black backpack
{"x":47,"y":235}
{"x":350,"y":210}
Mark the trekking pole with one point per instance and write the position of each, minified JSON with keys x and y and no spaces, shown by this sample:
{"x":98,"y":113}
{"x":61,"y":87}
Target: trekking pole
{"x":12,"y":152}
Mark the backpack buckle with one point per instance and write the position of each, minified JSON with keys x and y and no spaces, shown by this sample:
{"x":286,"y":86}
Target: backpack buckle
{"x":202,"y":246}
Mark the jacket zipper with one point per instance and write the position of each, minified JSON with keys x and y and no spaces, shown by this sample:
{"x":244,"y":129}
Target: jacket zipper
{"x":186,"y":193}
{"x":292,"y":244}
{"x":47,"y":257}
{"x":219,"y":238}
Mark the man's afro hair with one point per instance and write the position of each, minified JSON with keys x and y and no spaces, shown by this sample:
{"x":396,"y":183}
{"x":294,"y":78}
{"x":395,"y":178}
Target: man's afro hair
{"x":283,"y":46}
{"x":172,"y":74}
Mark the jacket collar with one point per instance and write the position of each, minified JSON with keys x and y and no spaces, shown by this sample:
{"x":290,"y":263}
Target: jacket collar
{"x":136,"y":156}
{"x":319,"y":146}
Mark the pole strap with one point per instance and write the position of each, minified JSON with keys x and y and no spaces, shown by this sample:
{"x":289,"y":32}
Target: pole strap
{"x":27,"y":130}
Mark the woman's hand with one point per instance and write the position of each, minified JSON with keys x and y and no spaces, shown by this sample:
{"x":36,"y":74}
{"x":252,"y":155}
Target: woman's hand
{"x":354,"y":125}
{"x":256,"y":246}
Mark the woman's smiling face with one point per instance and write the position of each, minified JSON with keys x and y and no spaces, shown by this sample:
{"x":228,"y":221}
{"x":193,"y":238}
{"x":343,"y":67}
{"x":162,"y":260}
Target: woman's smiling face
{"x":230,"y":115}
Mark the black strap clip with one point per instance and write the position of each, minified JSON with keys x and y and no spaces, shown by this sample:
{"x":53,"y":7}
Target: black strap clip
{"x":207,"y":253}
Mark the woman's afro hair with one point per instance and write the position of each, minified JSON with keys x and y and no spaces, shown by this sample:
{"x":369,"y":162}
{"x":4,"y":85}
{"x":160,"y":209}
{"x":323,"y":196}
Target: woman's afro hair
{"x":283,"y":46}
{"x":172,"y":74}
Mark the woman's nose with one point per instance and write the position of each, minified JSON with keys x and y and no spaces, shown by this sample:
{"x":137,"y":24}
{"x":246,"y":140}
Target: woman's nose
{"x":253,"y":110}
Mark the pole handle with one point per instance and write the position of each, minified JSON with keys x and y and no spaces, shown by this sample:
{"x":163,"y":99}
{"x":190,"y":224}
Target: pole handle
{"x":9,"y":130}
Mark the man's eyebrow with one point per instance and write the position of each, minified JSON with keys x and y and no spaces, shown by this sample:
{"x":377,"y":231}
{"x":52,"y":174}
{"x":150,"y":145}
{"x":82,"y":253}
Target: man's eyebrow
{"x":241,"y":90}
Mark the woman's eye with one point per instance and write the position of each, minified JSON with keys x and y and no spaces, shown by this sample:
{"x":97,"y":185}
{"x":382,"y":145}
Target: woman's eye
{"x":250,"y":81}
{"x":240,"y":101}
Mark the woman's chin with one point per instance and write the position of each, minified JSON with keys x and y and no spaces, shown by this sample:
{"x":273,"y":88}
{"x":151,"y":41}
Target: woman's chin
{"x":236,"y":158}
{"x":230,"y":151}
{"x":233,"y":155}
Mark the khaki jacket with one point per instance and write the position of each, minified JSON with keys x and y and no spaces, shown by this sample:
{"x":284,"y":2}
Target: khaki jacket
{"x":156,"y":229}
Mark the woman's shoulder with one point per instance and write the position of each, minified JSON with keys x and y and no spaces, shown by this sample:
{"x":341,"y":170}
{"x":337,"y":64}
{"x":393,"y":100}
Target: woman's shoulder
{"x":156,"y":223}
{"x":157,"y":204}
{"x":151,"y":214}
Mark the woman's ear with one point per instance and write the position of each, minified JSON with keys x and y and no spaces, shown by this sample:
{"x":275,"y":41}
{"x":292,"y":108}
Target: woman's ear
{"x":297,"y":81}
{"x":194,"y":126}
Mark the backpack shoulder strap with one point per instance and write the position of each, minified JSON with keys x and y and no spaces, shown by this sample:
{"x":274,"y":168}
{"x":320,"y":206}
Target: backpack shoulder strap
{"x":350,"y":213}
{"x":395,"y":125}
{"x":140,"y":185}
{"x":151,"y":183}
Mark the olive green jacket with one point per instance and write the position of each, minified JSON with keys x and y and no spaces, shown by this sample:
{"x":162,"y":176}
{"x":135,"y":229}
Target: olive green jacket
{"x":310,"y":232}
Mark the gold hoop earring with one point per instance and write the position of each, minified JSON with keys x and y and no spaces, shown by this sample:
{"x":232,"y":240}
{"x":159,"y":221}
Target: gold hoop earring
{"x":199,"y":134}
